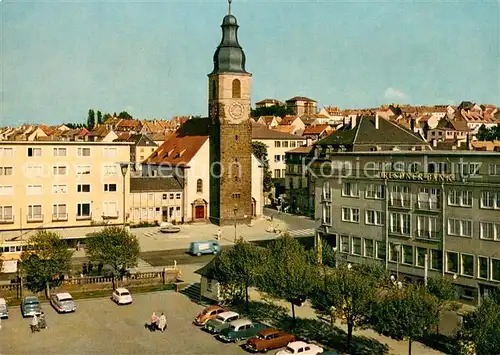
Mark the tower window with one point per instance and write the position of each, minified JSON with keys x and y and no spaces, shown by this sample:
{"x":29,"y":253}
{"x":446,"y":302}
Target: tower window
{"x":214,"y":90}
{"x":236,"y":89}
{"x":235,"y":138}
{"x":199,"y":186}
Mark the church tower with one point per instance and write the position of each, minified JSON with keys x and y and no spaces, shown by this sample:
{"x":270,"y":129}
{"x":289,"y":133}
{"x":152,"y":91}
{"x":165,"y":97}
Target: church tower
{"x":231,"y":130}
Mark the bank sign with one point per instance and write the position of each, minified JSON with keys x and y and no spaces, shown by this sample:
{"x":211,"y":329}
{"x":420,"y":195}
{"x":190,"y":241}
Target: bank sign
{"x":418,"y":177}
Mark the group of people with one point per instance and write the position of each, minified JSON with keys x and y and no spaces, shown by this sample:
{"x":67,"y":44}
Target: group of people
{"x":38,"y":323}
{"x":159,"y":323}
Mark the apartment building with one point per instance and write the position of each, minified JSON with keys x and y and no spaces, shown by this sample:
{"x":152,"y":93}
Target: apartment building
{"x":54,"y":184}
{"x":419,"y":213}
{"x":299,"y":183}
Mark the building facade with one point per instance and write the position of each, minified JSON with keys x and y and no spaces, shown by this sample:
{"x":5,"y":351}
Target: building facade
{"x":418,"y":213}
{"x":52,"y":184}
{"x":299,"y":183}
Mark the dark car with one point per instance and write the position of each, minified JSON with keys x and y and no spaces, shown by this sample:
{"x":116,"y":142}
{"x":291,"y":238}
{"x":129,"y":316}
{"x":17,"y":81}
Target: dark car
{"x":239,"y":330}
{"x":268,"y":339}
{"x":30,"y":306}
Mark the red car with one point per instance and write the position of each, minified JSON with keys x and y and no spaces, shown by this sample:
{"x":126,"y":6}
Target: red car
{"x":269,"y":339}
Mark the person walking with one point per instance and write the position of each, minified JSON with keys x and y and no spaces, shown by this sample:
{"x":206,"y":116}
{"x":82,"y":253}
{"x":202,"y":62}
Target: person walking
{"x":162,"y":324}
{"x":154,"y":322}
{"x":34,"y":324}
{"x":219,"y":234}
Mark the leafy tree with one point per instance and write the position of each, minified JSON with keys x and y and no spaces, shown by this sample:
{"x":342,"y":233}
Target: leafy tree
{"x":99,"y":117}
{"x":106,"y":117}
{"x":488,"y":134}
{"x":241,"y":266}
{"x":407,"y":313}
{"x":444,"y":291}
{"x":259,"y":149}
{"x":275,"y":110}
{"x":114,"y":246}
{"x":289,"y":274}
{"x":348,"y":293}
{"x":124,"y":115}
{"x":45,"y":260}
{"x":91,"y":119}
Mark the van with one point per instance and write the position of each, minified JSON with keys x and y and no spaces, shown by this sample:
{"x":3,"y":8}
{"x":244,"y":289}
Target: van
{"x":4,"y":313}
{"x":206,"y":247}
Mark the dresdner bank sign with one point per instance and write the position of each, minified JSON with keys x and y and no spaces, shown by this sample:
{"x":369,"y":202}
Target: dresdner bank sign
{"x":418,"y":177}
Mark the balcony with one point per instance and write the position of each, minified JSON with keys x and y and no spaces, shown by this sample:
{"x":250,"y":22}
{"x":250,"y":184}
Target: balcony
{"x":110,"y":215}
{"x":399,"y":233}
{"x":32,"y":218}
{"x":84,"y":217}
{"x":59,"y":217}
{"x":431,"y":236}
{"x":400,"y":203}
{"x":7,"y":219}
{"x":326,"y":197}
{"x":432,"y":206}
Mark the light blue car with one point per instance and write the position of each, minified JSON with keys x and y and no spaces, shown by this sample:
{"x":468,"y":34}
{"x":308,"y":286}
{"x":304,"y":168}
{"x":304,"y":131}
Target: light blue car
{"x":206,"y":247}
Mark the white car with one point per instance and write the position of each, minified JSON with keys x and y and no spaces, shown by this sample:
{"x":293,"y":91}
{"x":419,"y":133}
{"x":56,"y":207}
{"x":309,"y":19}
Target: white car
{"x":63,"y":302}
{"x":302,"y":348}
{"x":122,"y":296}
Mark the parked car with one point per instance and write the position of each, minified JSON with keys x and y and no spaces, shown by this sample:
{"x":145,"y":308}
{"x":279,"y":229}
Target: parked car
{"x":63,"y":302}
{"x":30,"y":306}
{"x":4,"y":313}
{"x":167,"y":227}
{"x":208,"y":313}
{"x":206,"y":247}
{"x":240,"y":329}
{"x":302,"y":348}
{"x":221,"y":321}
{"x":268,"y":339}
{"x":122,"y":296}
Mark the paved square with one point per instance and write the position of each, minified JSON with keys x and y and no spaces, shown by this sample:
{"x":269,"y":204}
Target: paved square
{"x":101,"y":327}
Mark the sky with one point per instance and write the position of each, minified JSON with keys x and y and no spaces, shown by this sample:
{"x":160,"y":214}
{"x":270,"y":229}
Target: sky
{"x":151,"y":58}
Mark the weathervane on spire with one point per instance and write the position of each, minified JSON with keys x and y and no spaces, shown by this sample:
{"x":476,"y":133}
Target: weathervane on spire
{"x":230,"y":1}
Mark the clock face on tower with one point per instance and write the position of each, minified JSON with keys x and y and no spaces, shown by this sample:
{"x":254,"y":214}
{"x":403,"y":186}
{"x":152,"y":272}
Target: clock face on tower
{"x":237,"y":111}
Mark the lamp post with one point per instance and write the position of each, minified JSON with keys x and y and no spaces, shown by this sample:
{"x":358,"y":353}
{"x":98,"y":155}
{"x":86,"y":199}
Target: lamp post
{"x":235,"y":212}
{"x":124,"y":169}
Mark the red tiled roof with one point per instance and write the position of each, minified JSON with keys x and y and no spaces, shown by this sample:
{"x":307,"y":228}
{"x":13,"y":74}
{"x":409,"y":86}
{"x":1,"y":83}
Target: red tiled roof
{"x":318,"y":129}
{"x":287,"y":120}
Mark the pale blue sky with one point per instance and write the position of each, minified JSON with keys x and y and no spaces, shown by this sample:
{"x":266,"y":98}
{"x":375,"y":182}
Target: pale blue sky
{"x":151,"y":58}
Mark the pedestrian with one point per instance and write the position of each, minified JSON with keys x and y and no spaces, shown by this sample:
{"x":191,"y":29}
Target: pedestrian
{"x":34,"y":324}
{"x":219,"y":234}
{"x":43,"y":322}
{"x":154,"y":322}
{"x":162,"y":323}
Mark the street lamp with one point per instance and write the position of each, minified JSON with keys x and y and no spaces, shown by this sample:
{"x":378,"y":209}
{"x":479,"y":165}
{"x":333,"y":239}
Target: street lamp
{"x":124,"y":169}
{"x":235,"y":212}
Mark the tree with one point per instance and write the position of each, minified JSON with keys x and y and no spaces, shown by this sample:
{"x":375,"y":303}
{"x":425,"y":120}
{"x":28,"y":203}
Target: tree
{"x":289,"y":274}
{"x":241,"y":266}
{"x":45,"y":260}
{"x":91,"y":119}
{"x":259,"y":149}
{"x":488,"y":134}
{"x":114,"y":246}
{"x":125,"y":115}
{"x":99,"y":117}
{"x":275,"y":110}
{"x":348,"y":293}
{"x":407,"y":313}
{"x":444,"y":291}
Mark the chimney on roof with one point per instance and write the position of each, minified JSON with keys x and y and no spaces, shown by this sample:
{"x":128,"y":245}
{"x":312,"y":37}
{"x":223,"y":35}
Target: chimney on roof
{"x":376,"y":121}
{"x":353,"y":121}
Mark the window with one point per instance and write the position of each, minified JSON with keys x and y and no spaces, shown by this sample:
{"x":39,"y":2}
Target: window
{"x":368,"y":248}
{"x":34,"y":190}
{"x":350,"y":189}
{"x":400,"y":223}
{"x":6,"y":152}
{"x":356,"y":246}
{"x":6,"y":213}
{"x":469,"y":169}
{"x":109,"y":209}
{"x":420,"y":261}
{"x":34,"y":152}
{"x":483,"y":267}
{"x":375,"y":218}
{"x":375,"y":191}
{"x":381,"y":250}
{"x":277,"y":173}
{"x":277,"y":144}
{"x":83,"y":152}
{"x":489,"y":230}
{"x":236,"y":89}
{"x":429,"y":198}
{"x":327,"y":191}
{"x":83,"y":170}
{"x":394,"y":250}
{"x":164,"y":196}
{"x":83,"y":210}
{"x":171,"y":196}
{"x":35,"y":213}
{"x":60,"y":189}
{"x":350,"y":214}
{"x":400,"y":196}
{"x":6,"y":190}
{"x":34,"y":171}
{"x":109,"y":187}
{"x":462,"y":198}
{"x":292,"y":144}
{"x":451,"y":262}
{"x":494,"y":169}
{"x":150,"y":197}
{"x":462,"y":228}
{"x":110,"y":170}
{"x":59,"y":170}
{"x":327,"y":214}
{"x":490,"y":199}
{"x":467,"y":262}
{"x":6,"y":170}
{"x":436,"y":259}
{"x":110,"y":152}
{"x":83,"y":188}
{"x":407,"y":254}
{"x":177,"y":196}
{"x":285,"y":144}
{"x":495,"y":269}
{"x":277,"y":158}
{"x":60,"y":152}
{"x":427,"y":227}
{"x":344,"y":243}
{"x":59,"y":212}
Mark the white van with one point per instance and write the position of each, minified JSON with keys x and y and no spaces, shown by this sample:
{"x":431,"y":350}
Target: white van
{"x":4,"y":313}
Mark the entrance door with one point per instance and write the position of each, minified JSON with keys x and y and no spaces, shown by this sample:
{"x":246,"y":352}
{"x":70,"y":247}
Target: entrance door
{"x":199,"y":212}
